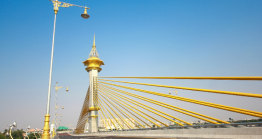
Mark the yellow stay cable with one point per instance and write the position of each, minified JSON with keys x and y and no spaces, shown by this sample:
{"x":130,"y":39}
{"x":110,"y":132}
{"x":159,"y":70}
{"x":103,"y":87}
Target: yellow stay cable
{"x":80,"y":122}
{"x":234,"y":109}
{"x":107,"y":115}
{"x":198,"y":78}
{"x":95,"y":97}
{"x":127,"y":124}
{"x":119,"y":116}
{"x":132,"y":101}
{"x":164,"y":105}
{"x":112,"y":114}
{"x":102,"y":104}
{"x":147,"y":110}
{"x":106,"y":120}
{"x":99,"y":114}
{"x":194,"y":89}
{"x":122,"y":112}
{"x":143,"y":113}
{"x":130,"y":113}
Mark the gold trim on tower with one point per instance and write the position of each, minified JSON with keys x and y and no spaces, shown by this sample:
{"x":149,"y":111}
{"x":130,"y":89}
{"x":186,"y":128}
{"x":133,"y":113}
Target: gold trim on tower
{"x":93,"y":116}
{"x":93,"y":109}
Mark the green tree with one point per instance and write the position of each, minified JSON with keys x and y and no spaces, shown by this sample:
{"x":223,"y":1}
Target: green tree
{"x":5,"y":131}
{"x":17,"y":134}
{"x":2,"y":136}
{"x":32,"y":136}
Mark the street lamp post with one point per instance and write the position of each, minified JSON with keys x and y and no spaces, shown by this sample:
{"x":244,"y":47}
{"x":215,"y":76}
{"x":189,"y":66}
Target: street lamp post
{"x":56,"y":88}
{"x":34,"y":133}
{"x":136,"y":124}
{"x":38,"y":132}
{"x":26,"y":131}
{"x":11,"y":127}
{"x":46,"y":134}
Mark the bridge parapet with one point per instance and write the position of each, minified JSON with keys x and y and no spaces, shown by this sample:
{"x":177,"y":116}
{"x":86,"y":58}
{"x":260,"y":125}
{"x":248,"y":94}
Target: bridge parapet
{"x":196,"y":132}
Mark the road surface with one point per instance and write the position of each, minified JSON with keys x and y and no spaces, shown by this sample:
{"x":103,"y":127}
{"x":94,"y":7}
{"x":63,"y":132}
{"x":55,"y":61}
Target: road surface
{"x":68,"y":136}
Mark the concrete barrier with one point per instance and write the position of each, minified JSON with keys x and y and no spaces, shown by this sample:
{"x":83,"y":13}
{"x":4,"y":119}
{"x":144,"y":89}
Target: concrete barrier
{"x":200,"y":133}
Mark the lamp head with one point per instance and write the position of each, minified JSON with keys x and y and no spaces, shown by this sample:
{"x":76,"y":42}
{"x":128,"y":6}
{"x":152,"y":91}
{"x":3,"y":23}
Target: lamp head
{"x":85,"y":15}
{"x":14,"y":124}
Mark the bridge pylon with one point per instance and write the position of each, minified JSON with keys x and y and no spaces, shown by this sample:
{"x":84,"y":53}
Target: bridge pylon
{"x":90,"y":107}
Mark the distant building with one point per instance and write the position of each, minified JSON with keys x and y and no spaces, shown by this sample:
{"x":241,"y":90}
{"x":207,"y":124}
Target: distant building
{"x":33,"y":130}
{"x":107,"y":123}
{"x":24,"y":135}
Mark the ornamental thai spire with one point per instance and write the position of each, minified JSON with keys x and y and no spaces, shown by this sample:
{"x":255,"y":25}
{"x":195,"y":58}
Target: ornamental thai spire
{"x":93,"y":62}
{"x":93,"y":52}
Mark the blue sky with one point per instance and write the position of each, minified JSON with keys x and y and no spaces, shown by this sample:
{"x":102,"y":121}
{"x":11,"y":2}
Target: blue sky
{"x":133,"y":38}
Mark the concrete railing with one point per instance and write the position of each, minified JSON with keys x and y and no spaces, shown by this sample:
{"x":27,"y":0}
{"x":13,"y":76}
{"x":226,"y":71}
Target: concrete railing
{"x":223,"y":131}
{"x":251,"y":124}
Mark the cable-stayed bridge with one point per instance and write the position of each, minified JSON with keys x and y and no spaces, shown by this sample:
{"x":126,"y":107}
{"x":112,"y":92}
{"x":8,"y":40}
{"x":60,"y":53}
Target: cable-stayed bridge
{"x":110,"y":102}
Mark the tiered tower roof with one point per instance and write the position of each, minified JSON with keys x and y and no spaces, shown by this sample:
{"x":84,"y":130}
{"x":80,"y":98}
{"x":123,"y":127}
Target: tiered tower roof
{"x":93,"y":62}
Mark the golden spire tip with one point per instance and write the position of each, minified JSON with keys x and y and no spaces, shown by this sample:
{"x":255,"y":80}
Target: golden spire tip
{"x":94,"y":41}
